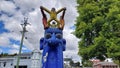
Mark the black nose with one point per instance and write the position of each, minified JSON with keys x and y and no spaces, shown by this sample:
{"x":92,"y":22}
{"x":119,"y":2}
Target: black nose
{"x":53,"y":42}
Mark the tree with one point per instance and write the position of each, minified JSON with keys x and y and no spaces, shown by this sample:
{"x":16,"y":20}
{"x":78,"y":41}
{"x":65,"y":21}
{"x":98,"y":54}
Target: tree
{"x":87,"y":63}
{"x":98,"y":27}
{"x":3,"y":54}
{"x":72,"y":64}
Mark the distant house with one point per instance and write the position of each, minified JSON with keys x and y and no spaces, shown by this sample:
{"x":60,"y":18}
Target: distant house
{"x":105,"y":65}
{"x":66,"y":62}
{"x":94,"y":61}
{"x":26,"y":60}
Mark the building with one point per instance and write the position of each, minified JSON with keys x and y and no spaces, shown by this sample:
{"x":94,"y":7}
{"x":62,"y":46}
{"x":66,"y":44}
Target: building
{"x":26,"y":60}
{"x":6,"y":62}
{"x":36,"y":58}
{"x":67,"y":62}
{"x":105,"y":65}
{"x":95,"y":61}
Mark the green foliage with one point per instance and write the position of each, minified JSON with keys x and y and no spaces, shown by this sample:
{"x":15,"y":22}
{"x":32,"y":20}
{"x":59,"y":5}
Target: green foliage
{"x":3,"y":54}
{"x":71,"y":63}
{"x":87,"y":64}
{"x":77,"y":64}
{"x":6,"y":54}
{"x":98,"y":27}
{"x":117,"y":62}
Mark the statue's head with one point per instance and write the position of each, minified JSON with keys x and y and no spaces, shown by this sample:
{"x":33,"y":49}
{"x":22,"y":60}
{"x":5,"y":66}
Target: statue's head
{"x":53,"y":37}
{"x":53,"y":9}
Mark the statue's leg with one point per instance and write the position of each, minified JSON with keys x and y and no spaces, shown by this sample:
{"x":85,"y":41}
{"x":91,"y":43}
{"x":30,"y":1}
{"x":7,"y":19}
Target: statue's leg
{"x":64,"y":44}
{"x":62,"y":23}
{"x":49,"y":21}
{"x":45,"y":22}
{"x":58,"y":22}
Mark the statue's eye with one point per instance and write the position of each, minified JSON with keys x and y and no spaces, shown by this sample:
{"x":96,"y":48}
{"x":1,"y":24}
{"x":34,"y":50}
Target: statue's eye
{"x":59,"y":36}
{"x":48,"y":35}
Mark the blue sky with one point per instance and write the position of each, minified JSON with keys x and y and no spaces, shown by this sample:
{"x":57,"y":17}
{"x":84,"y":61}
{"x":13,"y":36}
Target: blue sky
{"x":12,"y":13}
{"x":2,"y":29}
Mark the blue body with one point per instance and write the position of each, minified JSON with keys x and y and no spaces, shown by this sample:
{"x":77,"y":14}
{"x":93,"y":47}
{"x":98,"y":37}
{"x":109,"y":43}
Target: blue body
{"x":53,"y":46}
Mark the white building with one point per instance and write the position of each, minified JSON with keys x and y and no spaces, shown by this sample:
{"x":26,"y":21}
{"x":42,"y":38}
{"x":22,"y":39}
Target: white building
{"x":36,"y":59}
{"x":26,"y":60}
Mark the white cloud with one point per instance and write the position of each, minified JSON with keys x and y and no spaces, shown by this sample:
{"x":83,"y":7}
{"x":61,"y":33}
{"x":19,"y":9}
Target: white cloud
{"x":72,"y":41}
{"x":35,"y":30}
{"x":16,"y":47}
{"x":27,"y":6}
{"x":7,"y":7}
{"x":4,"y":41}
{"x":72,"y":54}
{"x":13,"y":51}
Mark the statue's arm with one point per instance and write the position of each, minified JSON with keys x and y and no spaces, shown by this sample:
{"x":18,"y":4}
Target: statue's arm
{"x":43,"y":8}
{"x":62,"y":9}
{"x":43,"y":14}
{"x":63,"y":14}
{"x":41,"y":43}
{"x":64,"y":45}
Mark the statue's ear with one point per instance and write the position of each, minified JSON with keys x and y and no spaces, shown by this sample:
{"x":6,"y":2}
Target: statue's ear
{"x":41,"y":43}
{"x":64,"y":44}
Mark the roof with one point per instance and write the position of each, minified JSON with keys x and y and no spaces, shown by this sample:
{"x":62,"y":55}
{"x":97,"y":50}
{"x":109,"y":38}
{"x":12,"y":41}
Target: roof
{"x":67,"y":59}
{"x":106,"y":63}
{"x":26,"y":54}
{"x":22,"y":54}
{"x":13,"y":55}
{"x":8,"y":56}
{"x":36,"y":51}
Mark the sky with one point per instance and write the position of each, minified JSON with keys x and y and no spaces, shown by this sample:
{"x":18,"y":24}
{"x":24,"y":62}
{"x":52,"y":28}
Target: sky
{"x":12,"y":13}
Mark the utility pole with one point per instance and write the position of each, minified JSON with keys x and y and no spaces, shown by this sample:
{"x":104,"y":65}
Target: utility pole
{"x":21,"y":44}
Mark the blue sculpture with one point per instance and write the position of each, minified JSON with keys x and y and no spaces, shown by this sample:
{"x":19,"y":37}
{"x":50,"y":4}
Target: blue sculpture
{"x":53,"y":43}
